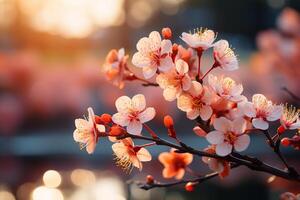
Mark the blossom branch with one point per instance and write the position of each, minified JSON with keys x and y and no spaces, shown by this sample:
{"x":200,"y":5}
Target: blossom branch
{"x":252,"y":163}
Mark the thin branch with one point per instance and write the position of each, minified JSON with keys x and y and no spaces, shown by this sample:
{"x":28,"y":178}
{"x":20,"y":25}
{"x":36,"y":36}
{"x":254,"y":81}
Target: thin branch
{"x":147,"y":186}
{"x":252,"y":163}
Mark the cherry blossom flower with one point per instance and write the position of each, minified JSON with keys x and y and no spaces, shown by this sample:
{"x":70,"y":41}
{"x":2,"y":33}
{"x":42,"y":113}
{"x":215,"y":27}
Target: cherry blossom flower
{"x":229,"y":135}
{"x":201,"y":39}
{"x":196,"y":102}
{"x":262,"y":110}
{"x":176,"y":81}
{"x":115,"y":67}
{"x":217,"y":165}
{"x":224,"y":56}
{"x":226,"y":87}
{"x":86,"y":132}
{"x":290,"y":118}
{"x":129,"y":156}
{"x":133,"y":113}
{"x":153,"y":53}
{"x":174,"y":163}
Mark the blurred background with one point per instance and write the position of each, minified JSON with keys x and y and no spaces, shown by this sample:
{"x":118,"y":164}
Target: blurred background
{"x":51,"y":53}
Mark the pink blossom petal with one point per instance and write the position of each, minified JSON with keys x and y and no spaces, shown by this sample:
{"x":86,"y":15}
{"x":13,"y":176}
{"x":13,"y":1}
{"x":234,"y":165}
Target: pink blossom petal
{"x":141,"y":60}
{"x":91,"y":146}
{"x":100,"y":128}
{"x":162,"y":80}
{"x":184,"y":102}
{"x":242,"y":143}
{"x":221,"y":46}
{"x":248,"y":109}
{"x":147,"y":115}
{"x":295,"y":125}
{"x":138,"y":102}
{"x":239,"y":125}
{"x":134,"y":127}
{"x":236,"y":90}
{"x":196,"y":89}
{"x":149,"y":72}
{"x":123,"y":104}
{"x":223,"y":149}
{"x":166,"y":64}
{"x":275,"y":113}
{"x":166,"y":46}
{"x":215,"y":165}
{"x":222,"y":124}
{"x":82,"y":124}
{"x":155,"y":39}
{"x":143,"y":45}
{"x":144,"y":155}
{"x":192,"y":114}
{"x":121,"y":53}
{"x":205,"y":112}
{"x":215,"y":137}
{"x":186,"y":83}
{"x":170,"y":93}
{"x":121,"y":119}
{"x":260,"y":123}
{"x":181,"y":66}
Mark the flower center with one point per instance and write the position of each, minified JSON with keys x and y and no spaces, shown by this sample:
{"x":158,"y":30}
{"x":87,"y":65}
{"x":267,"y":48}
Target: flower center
{"x":230,"y":137}
{"x":197,"y":102}
{"x":227,"y":84}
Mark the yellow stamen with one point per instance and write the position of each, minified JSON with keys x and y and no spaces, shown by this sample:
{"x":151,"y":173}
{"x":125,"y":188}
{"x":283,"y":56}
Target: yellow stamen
{"x":124,"y":162}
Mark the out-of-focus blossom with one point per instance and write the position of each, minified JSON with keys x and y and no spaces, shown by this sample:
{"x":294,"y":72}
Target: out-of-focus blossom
{"x":153,"y":53}
{"x":290,"y":118}
{"x":174,"y":163}
{"x":226,"y":87}
{"x":262,"y":110}
{"x":115,"y":67}
{"x":289,"y":196}
{"x":176,"y":81}
{"x":196,"y":102}
{"x":289,"y":21}
{"x":202,"y":39}
{"x":86,"y":132}
{"x":229,"y":135}
{"x":217,"y":165}
{"x":225,"y":56}
{"x":133,"y":113}
{"x":129,"y":155}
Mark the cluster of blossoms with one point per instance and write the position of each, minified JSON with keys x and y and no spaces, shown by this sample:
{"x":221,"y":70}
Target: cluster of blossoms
{"x":222,"y":114}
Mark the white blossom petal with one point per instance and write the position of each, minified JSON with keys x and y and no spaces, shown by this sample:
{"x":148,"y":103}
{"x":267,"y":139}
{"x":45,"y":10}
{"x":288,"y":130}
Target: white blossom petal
{"x":186,"y":83}
{"x":170,"y":93}
{"x":123,"y":104}
{"x":147,"y":115}
{"x":215,"y":137}
{"x":144,"y":155}
{"x":181,"y":66}
{"x":196,"y":89}
{"x":239,"y":125}
{"x":184,"y":102}
{"x":166,"y":46}
{"x":166,"y":64}
{"x":222,"y":124}
{"x":242,"y":143}
{"x":138,"y":102}
{"x":140,"y":60}
{"x":149,"y":72}
{"x":223,"y":149}
{"x":121,"y":119}
{"x":134,"y":127}
{"x":248,"y":109}
{"x":260,"y":123}
{"x":275,"y":113}
{"x":205,"y":112}
{"x":192,"y":114}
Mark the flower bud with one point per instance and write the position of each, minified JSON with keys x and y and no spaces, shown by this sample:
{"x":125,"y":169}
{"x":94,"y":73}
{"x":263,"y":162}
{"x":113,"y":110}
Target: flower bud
{"x":106,"y":118}
{"x":150,"y":179}
{"x":98,"y":120}
{"x":116,"y":130}
{"x":190,"y":186}
{"x":168,"y":121}
{"x":285,"y":142}
{"x":199,"y":131}
{"x":166,"y":33}
{"x":280,"y":130}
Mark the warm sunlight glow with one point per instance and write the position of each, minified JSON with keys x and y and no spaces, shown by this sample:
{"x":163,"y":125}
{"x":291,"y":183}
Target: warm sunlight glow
{"x":82,"y":177}
{"x":72,"y":18}
{"x":44,"y":193}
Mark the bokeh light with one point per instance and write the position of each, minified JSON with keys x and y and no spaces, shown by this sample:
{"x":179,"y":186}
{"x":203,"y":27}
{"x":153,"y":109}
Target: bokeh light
{"x":82,"y":177}
{"x":44,"y":193}
{"x":52,"y":178}
{"x":6,"y":195}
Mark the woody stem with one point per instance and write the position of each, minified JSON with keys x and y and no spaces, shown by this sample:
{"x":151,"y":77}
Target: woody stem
{"x":199,"y":54}
{"x":252,"y":163}
{"x":212,"y":67}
